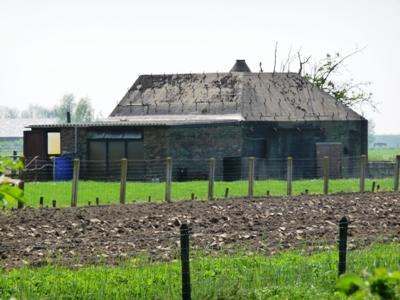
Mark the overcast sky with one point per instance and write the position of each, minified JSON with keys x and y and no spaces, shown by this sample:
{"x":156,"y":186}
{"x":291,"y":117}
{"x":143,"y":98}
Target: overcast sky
{"x":98,"y":48}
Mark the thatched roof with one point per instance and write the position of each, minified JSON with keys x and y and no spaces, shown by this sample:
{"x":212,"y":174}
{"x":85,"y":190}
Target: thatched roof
{"x":254,"y":96}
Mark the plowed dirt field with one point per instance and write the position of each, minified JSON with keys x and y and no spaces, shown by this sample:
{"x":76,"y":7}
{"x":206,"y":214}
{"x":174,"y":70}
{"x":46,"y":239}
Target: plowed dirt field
{"x":108,"y":233}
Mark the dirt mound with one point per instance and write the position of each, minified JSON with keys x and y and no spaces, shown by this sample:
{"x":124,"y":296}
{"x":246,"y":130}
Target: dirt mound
{"x":107,"y":233}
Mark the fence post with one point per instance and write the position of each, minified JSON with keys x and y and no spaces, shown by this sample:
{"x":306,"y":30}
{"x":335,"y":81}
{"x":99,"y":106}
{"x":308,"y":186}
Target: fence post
{"x":226,"y":192}
{"x":186,"y":294}
{"x":289,"y":175}
{"x":122,"y":190}
{"x":41,"y":201}
{"x":36,"y":170}
{"x":251,"y":176}
{"x":75,"y":180}
{"x":343,"y":226}
{"x":396,"y":173}
{"x":326,"y":175}
{"x":211,"y":178}
{"x":14,"y":157}
{"x":363,"y":170}
{"x":21,"y":185}
{"x":168,"y":179}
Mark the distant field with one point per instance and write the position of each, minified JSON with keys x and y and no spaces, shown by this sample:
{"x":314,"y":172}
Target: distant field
{"x":7,"y":146}
{"x":108,"y":192}
{"x":379,"y":154}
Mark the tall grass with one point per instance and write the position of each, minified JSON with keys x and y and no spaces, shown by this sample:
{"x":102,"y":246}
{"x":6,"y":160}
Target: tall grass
{"x":289,"y":275}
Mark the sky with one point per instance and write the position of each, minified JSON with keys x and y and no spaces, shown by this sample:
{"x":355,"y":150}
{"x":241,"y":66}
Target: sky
{"x":97,"y":49}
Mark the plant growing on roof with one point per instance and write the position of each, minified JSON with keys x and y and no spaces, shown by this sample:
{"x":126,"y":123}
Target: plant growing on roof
{"x":321,"y":74}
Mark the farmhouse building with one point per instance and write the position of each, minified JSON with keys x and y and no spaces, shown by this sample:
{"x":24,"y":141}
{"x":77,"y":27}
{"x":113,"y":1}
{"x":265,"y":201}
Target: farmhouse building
{"x":229,"y":116}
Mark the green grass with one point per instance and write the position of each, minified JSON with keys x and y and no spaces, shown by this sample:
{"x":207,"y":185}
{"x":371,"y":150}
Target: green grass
{"x":108,"y":192}
{"x":289,"y":275}
{"x":379,"y":154}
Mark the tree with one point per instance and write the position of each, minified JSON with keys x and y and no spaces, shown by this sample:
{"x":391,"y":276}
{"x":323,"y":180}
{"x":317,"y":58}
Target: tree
{"x":35,"y":111}
{"x":83,"y":111}
{"x":67,"y":104}
{"x":8,"y":113}
{"x":322,"y":74}
{"x":80,"y":112}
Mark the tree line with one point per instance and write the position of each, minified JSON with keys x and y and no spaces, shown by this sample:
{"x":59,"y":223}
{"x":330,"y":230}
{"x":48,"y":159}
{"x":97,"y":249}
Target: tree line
{"x":81,"y":110}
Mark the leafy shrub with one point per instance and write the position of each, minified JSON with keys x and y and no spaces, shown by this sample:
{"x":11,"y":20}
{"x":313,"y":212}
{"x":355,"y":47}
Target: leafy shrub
{"x":382,"y":284}
{"x":9,"y":190}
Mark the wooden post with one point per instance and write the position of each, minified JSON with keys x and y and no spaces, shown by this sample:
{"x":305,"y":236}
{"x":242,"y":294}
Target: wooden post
{"x":363,"y":170}
{"x":186,"y":289}
{"x":149,"y":199}
{"x":343,"y":225}
{"x":21,"y":185}
{"x":41,"y":201}
{"x":211,"y":178}
{"x":192,"y":196}
{"x":373,"y":186}
{"x":168,"y":179}
{"x":36,"y":170}
{"x":251,"y":176}
{"x":14,"y":157}
{"x":289,"y":175}
{"x":396,"y":173}
{"x":326,"y":175}
{"x":124,"y":172}
{"x":226,"y":192}
{"x":75,"y":180}
{"x":97,"y":201}
{"x":54,"y":203}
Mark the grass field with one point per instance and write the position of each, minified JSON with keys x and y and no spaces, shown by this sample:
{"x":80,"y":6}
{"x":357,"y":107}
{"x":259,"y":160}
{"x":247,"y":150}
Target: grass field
{"x":108,"y":192}
{"x":388,"y":154}
{"x":289,"y":275}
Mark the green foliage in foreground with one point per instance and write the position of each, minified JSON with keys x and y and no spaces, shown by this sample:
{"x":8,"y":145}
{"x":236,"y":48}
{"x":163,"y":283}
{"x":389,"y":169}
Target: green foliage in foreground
{"x":382,"y":284}
{"x":108,"y":192}
{"x":379,"y":154}
{"x":289,"y":275}
{"x":9,"y":192}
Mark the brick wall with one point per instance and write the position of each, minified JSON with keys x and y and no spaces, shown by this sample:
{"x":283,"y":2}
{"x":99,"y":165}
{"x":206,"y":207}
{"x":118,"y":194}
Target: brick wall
{"x":191,"y":147}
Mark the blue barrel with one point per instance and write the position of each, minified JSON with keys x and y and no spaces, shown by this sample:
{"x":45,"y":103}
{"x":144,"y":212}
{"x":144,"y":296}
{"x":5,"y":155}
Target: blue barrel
{"x":63,"y":168}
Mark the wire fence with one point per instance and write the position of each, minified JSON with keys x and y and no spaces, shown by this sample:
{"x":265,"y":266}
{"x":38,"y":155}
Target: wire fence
{"x":61,"y":181}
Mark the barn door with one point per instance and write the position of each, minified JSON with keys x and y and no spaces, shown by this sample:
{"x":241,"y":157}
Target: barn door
{"x":334,"y":152}
{"x":34,"y":145}
{"x":97,"y":164}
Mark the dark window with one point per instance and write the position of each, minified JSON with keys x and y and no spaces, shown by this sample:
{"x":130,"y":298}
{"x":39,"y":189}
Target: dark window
{"x":97,"y":150}
{"x":232,"y":167}
{"x":255,"y":147}
{"x":135,"y":150}
{"x":116,"y":150}
{"x":97,"y":167}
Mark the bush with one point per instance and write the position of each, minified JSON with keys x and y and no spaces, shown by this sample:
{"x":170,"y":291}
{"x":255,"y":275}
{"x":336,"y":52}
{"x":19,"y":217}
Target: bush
{"x":382,"y":284}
